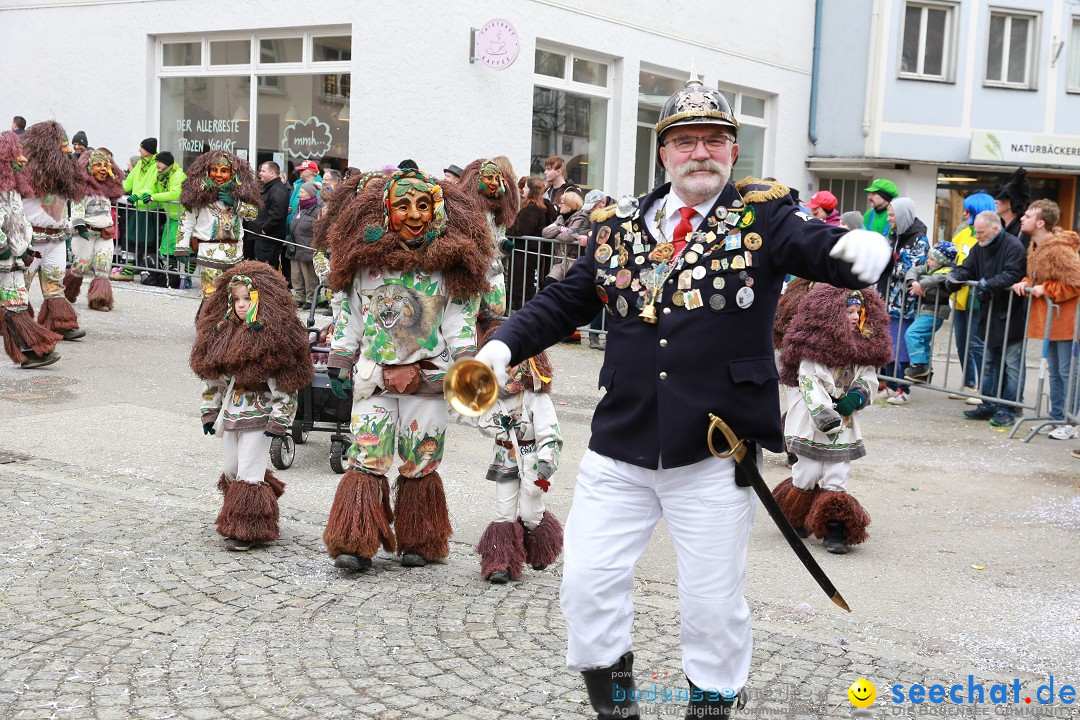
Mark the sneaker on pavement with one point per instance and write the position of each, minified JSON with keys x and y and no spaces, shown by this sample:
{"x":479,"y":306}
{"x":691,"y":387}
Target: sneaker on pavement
{"x":973,"y":401}
{"x":1076,"y":454}
{"x":979,"y":413}
{"x":918,"y":373}
{"x":1002,"y":418}
{"x":900,"y":398}
{"x":967,"y":389}
{"x":886,"y":392}
{"x":1063,"y":432}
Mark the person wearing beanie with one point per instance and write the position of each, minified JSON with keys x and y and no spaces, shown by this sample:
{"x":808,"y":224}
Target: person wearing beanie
{"x":166,"y":196}
{"x":822,"y":205}
{"x":880,"y":193}
{"x":927,"y":283}
{"x":142,"y":227}
{"x":408,"y":164}
{"x":79,"y":144}
{"x":301,"y":238}
{"x":1011,"y":200}
{"x":852,"y":220}
{"x":910,"y":248}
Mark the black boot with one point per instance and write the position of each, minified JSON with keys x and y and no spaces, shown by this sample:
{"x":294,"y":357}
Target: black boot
{"x":611,"y":688}
{"x":709,"y":704}
{"x":834,"y":541}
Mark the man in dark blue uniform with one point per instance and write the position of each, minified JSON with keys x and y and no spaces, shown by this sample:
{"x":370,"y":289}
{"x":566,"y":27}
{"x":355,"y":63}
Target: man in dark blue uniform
{"x":690,"y":276}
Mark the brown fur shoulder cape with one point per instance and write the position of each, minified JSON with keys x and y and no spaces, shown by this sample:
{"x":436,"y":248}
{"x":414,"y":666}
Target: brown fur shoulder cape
{"x":819,"y":332}
{"x":1055,"y":259}
{"x":112,"y":187}
{"x":487,"y":324}
{"x":278,"y":350}
{"x":194,"y":195}
{"x":49,"y":170}
{"x":462,"y":254}
{"x":505,"y":208}
{"x":787,"y":307}
{"x":9,"y":151}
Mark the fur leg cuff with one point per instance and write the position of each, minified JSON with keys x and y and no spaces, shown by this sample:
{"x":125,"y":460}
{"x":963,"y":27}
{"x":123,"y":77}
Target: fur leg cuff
{"x":72,"y":285}
{"x":794,"y":501}
{"x":838,"y":506}
{"x":544,"y":544}
{"x":423,"y":520}
{"x":100,"y":294}
{"x":250,"y":512}
{"x":58,"y":315}
{"x":502,"y":547}
{"x":360,"y":516}
{"x":22,"y":333}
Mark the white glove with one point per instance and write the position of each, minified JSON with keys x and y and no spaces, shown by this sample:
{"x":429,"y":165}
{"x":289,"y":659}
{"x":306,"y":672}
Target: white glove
{"x":868,"y":252}
{"x":496,"y":355}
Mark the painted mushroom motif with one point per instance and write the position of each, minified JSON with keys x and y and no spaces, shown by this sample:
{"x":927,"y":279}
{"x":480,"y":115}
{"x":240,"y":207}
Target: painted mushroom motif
{"x":426,"y":450}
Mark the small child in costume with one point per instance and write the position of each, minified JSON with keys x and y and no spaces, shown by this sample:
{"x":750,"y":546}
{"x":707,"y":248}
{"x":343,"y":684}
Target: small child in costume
{"x":252,"y":352}
{"x":927,"y":281}
{"x":831,"y":349}
{"x":526,"y":454}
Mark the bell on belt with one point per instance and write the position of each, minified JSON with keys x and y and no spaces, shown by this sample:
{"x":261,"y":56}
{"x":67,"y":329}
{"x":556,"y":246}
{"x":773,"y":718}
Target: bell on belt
{"x":470,"y":387}
{"x":648,"y":314}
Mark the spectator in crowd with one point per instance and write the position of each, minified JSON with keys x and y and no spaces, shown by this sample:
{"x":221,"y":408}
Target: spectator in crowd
{"x":570,"y":232}
{"x":166,"y":196}
{"x":852,"y":220}
{"x":271,"y":218}
{"x":880,"y":193}
{"x":301,"y":233}
{"x":554,"y":169}
{"x":927,"y":282}
{"x":1011,"y":201}
{"x":910,"y":248}
{"x":351,"y":172}
{"x":79,"y":144}
{"x":822,"y":205}
{"x":308,"y":172}
{"x":18,"y":124}
{"x":969,"y":344}
{"x":408,"y":164}
{"x":1053,"y":272}
{"x":330,"y":180}
{"x":532,"y":217}
{"x":143,"y":227}
{"x":997,"y":263}
{"x":451,"y":173}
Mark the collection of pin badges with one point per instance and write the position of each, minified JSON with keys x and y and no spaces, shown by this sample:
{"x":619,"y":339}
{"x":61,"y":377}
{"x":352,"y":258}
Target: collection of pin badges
{"x":722,"y":231}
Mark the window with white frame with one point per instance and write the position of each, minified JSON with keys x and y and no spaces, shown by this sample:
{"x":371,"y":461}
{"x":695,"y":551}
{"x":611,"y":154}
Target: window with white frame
{"x":926,"y":49}
{"x":571,"y":92}
{"x":1073,"y":82}
{"x":654,"y":88}
{"x":1010,"y":49}
{"x":752,"y":113}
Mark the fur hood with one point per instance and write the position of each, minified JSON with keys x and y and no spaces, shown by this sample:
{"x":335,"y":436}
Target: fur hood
{"x":819,"y":333}
{"x":1055,"y":259}
{"x":49,"y":170}
{"x":462,"y":254}
{"x":276,"y":346}
{"x":195,"y":195}
{"x":111,"y":188}
{"x":504,"y":208}
{"x":787,"y":307}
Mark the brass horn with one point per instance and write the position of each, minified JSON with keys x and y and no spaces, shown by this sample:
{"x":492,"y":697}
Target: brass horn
{"x":470,"y":387}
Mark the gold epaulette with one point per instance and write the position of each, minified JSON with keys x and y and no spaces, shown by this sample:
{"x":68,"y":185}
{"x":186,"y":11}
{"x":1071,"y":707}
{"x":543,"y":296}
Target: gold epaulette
{"x":754,"y":190}
{"x":601,"y":214}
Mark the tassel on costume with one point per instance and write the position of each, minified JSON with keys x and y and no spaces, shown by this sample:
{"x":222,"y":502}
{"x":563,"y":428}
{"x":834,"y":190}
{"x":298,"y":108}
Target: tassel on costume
{"x":838,"y":506}
{"x":502,"y":547}
{"x":20,"y":331}
{"x":250,"y":513}
{"x":275,"y":484}
{"x":58,"y":315}
{"x":359,"y":518}
{"x":100,"y":294}
{"x":544,"y":544}
{"x":423,"y":520}
{"x":223,"y":483}
{"x":795,"y":502}
{"x":72,"y":285}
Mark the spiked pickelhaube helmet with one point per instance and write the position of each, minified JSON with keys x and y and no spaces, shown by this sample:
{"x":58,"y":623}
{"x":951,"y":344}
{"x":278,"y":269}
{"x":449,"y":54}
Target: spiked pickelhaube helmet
{"x":696,"y":104}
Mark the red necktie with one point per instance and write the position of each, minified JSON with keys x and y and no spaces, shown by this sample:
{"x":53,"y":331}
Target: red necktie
{"x":678,"y":238}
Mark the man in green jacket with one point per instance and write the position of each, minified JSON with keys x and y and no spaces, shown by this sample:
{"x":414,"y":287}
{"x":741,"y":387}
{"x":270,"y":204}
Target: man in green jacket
{"x":166,"y":198}
{"x":880,"y":193}
{"x":142,"y":226}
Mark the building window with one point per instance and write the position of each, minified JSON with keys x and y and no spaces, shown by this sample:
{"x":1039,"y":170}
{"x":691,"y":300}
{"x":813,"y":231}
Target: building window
{"x":1011,"y":50}
{"x":926,"y":50}
{"x":1074,"y":57}
{"x":654,"y":88}
{"x":752,"y":113}
{"x":570,"y":113}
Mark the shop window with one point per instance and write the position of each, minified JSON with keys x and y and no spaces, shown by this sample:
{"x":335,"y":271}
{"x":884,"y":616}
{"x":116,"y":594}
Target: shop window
{"x":1074,"y":57}
{"x":927,"y":41}
{"x":590,"y":72}
{"x":281,"y":50}
{"x":752,"y":113}
{"x":198,"y":114}
{"x":1010,"y":50}
{"x":337,"y":48}
{"x":654,"y":88}
{"x":230,"y":52}
{"x":550,"y":63}
{"x":181,"y":54}
{"x":306,"y":118}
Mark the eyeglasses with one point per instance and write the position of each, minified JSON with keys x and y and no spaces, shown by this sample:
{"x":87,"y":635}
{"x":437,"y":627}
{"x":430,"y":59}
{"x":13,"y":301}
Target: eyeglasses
{"x":713,"y":143}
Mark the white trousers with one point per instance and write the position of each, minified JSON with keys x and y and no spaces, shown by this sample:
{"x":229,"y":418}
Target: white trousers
{"x":245,"y":454}
{"x":616,"y":506}
{"x":514,"y":499}
{"x":832,"y":476}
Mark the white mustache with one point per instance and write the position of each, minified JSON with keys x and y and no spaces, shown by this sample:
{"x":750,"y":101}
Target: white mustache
{"x":690,"y":166}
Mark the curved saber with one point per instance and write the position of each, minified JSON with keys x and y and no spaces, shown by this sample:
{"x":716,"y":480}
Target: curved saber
{"x":737,"y":452}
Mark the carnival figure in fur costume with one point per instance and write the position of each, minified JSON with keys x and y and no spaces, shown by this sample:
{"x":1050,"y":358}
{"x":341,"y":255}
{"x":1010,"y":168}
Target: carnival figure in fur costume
{"x":25,"y":342}
{"x":50,"y":181}
{"x":495,"y":188}
{"x":412,"y":257}
{"x":252,"y":353}
{"x":93,"y":240}
{"x":831,"y":351}
{"x":526,"y":454}
{"x":219,"y":192}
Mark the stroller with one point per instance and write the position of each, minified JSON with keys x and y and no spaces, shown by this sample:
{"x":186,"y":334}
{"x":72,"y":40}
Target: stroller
{"x":318,"y":409}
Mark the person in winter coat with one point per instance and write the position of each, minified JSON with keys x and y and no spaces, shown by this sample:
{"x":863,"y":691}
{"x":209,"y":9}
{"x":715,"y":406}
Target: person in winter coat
{"x":569,"y":230}
{"x":822,"y":205}
{"x":997,"y":263}
{"x":1053,"y":272}
{"x":965,"y":305}
{"x":271,"y":218}
{"x":928,"y":282}
{"x":301,"y":233}
{"x":142,"y":222}
{"x":166,"y":197}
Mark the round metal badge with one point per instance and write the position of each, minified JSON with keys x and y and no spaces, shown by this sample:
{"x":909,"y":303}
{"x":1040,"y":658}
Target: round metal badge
{"x":622,"y":279}
{"x":621,"y":305}
{"x":752,"y":241}
{"x":718,"y":282}
{"x":745,"y":297}
{"x":603,"y":253}
{"x":717,"y":302}
{"x":699,"y":272}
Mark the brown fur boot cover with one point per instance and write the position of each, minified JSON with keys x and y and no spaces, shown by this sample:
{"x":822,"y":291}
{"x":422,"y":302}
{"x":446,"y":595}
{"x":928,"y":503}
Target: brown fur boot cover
{"x":795,"y":502}
{"x":838,"y":506}
{"x":359,"y":518}
{"x":502,"y":547}
{"x":423,"y":521}
{"x":58,"y":315}
{"x":99,"y":296}
{"x":276,"y":485}
{"x":19,"y":329}
{"x":250,"y":512}
{"x":72,"y":285}
{"x":544,"y":544}
{"x":223,"y":483}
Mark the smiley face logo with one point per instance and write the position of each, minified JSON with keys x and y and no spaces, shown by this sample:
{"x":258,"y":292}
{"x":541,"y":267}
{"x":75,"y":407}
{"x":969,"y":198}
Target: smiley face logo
{"x":862,"y":693}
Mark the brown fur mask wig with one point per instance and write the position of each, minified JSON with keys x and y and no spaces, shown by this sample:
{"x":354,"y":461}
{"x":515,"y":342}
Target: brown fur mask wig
{"x":505,"y":205}
{"x":787,"y":307}
{"x":355,"y":228}
{"x":272,"y":344}
{"x":49,"y":170}
{"x":521,"y":375}
{"x":112,"y":187}
{"x":820,"y":332}
{"x":199,"y":191}
{"x":9,"y":151}
{"x":345,"y":192}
